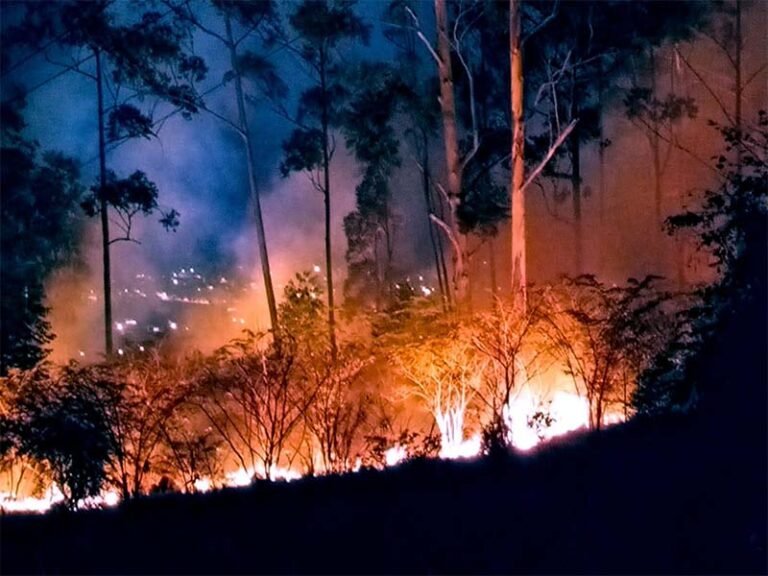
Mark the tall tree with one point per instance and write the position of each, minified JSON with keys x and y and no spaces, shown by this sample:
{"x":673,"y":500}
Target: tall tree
{"x":521,"y":178}
{"x":244,"y":24}
{"x":370,"y":229}
{"x":323,"y":28}
{"x":421,"y":121}
{"x":144,"y":55}
{"x":460,"y":134}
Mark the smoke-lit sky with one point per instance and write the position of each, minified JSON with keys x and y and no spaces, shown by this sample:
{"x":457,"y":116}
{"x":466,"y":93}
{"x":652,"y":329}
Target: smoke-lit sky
{"x":199,"y":168}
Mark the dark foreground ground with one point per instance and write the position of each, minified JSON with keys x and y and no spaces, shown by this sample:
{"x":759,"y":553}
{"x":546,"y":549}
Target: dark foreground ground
{"x":641,"y":499}
{"x":684,"y":494}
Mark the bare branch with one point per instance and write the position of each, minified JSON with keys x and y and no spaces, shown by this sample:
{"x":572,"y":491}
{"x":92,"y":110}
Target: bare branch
{"x":706,"y":85}
{"x":754,"y":75}
{"x":541,"y":24}
{"x":420,"y":35}
{"x":449,"y":233}
{"x":551,"y":152}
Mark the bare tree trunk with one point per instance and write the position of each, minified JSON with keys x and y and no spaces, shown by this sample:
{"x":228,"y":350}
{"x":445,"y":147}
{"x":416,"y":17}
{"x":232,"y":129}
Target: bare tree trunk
{"x":452,"y":155}
{"x":655,"y":142}
{"x":517,"y":200}
{"x":104,"y":208}
{"x":437,"y":204}
{"x":601,"y":145}
{"x":492,"y":265}
{"x":575,"y":150}
{"x":433,"y":234}
{"x":679,"y":239}
{"x":738,"y":90}
{"x":254,"y":191}
{"x":327,"y":200}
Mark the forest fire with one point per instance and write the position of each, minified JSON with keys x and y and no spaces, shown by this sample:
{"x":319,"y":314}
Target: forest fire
{"x":527,"y":426}
{"x":421,"y":278}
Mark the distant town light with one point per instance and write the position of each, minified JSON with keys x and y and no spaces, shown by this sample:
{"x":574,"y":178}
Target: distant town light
{"x":120,"y":351}
{"x":119,"y":326}
{"x":316,"y":269}
{"x":172,"y":325}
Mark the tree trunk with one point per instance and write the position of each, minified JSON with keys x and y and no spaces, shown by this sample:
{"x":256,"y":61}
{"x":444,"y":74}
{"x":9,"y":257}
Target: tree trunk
{"x":104,"y":208}
{"x":575,"y":150}
{"x":601,"y":145}
{"x":738,"y":89}
{"x":437,"y":204}
{"x":327,"y":201}
{"x":655,"y":143}
{"x":492,"y":266}
{"x":452,"y":156}
{"x":517,"y":200}
{"x":433,"y":234}
{"x":261,"y":236}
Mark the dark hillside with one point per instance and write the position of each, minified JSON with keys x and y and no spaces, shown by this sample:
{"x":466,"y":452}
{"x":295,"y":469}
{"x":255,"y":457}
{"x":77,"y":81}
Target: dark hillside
{"x":648,"y":497}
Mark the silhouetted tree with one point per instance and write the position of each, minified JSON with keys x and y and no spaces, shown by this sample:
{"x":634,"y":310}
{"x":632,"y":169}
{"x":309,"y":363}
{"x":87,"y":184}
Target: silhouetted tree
{"x":509,"y":340}
{"x":599,"y":333}
{"x":730,"y":225}
{"x":244,"y":24}
{"x":41,"y":228}
{"x":144,"y":54}
{"x":323,"y":28}
{"x":368,"y":127}
{"x":250,"y":394}
{"x":63,"y":420}
{"x":421,"y":119}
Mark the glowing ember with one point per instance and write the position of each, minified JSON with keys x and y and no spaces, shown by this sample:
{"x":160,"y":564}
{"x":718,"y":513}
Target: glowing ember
{"x":243,"y":477}
{"x":203,"y":485}
{"x":395,"y":455}
{"x":564,"y":413}
{"x":51,"y":497}
{"x":464,"y":449}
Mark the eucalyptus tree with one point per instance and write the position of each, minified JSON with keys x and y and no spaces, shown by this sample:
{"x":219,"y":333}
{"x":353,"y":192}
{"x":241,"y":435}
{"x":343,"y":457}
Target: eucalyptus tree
{"x":242,"y":26}
{"x":323,"y":31}
{"x":536,"y":20}
{"x":421,"y":120}
{"x":603,"y":54}
{"x":728,"y":31}
{"x":461,"y":138}
{"x":370,"y":134}
{"x":131,"y":57}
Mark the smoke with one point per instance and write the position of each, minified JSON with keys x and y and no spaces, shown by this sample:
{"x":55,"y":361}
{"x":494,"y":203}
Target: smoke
{"x":199,"y":167}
